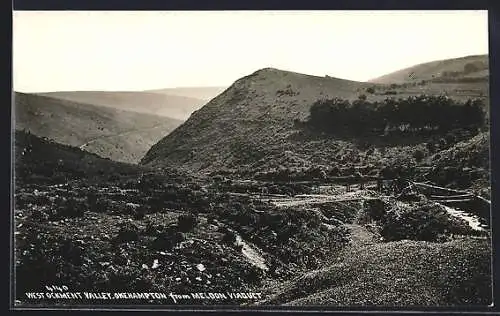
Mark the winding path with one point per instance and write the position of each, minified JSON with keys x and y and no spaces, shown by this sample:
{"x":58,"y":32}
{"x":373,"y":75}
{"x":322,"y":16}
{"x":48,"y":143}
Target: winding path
{"x":93,"y":140}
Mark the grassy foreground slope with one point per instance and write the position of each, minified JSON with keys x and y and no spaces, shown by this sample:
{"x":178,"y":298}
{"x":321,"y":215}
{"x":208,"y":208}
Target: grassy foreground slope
{"x":401,"y":273}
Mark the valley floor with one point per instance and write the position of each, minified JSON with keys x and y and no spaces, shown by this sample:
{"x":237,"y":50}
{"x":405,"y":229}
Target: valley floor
{"x":314,"y":248}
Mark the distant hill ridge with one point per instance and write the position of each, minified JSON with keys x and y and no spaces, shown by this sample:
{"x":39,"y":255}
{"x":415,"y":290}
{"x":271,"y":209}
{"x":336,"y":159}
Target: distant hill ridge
{"x":111,"y":133}
{"x":173,"y":106}
{"x":177,"y":103}
{"x":477,"y":66}
{"x":202,"y":93}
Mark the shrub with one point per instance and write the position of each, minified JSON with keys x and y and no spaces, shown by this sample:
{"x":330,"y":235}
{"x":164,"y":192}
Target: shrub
{"x":335,"y":171}
{"x":450,"y":138}
{"x":69,"y":209}
{"x":228,"y":235}
{"x":92,"y":200}
{"x":71,"y":252}
{"x":187,"y":222}
{"x":127,"y":233}
{"x":431,"y":147}
{"x":167,"y":239}
{"x":442,"y":143}
{"x":427,"y":222}
{"x":370,"y":151}
{"x":375,"y":209}
{"x":470,"y":67}
{"x":139,"y":213}
{"x":370,"y":90}
{"x":388,"y":172}
{"x":297,"y":123}
{"x":418,"y":155}
{"x":253,"y":275}
{"x":153,"y":230}
{"x":113,"y":177}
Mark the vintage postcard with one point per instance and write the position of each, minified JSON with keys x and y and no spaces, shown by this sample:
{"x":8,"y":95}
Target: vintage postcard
{"x":251,"y":159}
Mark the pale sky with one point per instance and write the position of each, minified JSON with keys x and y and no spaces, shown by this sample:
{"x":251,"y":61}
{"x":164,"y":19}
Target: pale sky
{"x":139,"y":50}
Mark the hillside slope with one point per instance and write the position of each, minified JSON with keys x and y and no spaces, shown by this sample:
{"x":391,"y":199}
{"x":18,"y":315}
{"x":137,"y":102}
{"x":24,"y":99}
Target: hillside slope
{"x":45,"y":160}
{"x":251,"y":125}
{"x":119,"y":135}
{"x":174,"y":106}
{"x":452,"y":68}
{"x":402,"y":273}
{"x":257,"y":109}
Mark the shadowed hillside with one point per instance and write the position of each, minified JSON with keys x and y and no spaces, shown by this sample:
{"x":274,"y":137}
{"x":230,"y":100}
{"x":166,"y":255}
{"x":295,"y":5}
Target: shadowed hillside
{"x":111,"y":133}
{"x":39,"y":160}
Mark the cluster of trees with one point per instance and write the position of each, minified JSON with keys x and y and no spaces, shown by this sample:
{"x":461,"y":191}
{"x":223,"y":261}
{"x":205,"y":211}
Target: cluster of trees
{"x":408,"y":84}
{"x":474,"y":66}
{"x":422,"y":221}
{"x":390,"y":88}
{"x":461,"y":79}
{"x":468,"y":68}
{"x":413,"y":114}
{"x":451,"y":74}
{"x":457,"y":76}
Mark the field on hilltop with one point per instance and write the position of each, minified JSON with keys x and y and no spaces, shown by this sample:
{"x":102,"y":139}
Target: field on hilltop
{"x":116,"y":134}
{"x":452,"y":69}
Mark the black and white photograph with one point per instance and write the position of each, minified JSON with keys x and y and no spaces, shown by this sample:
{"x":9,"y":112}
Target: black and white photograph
{"x":251,"y":159}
